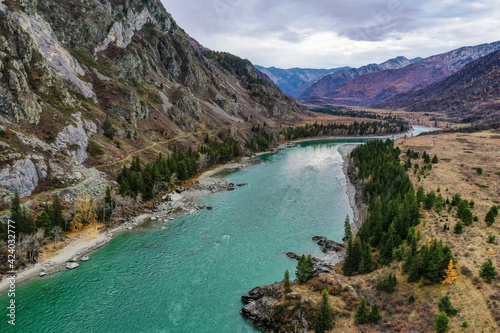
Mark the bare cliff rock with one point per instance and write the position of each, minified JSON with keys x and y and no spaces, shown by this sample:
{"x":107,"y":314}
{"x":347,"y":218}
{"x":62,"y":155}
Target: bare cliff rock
{"x":66,"y":66}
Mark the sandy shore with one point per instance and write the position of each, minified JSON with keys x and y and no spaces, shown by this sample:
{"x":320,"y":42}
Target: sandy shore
{"x":178,"y":203}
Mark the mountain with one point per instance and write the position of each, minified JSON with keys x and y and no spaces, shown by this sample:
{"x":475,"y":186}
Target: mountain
{"x":334,"y":81}
{"x":470,"y":95}
{"x":295,"y":81}
{"x":71,"y":70}
{"x":372,"y":88}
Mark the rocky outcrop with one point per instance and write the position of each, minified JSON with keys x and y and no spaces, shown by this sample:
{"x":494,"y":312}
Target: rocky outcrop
{"x":73,"y":139}
{"x":270,"y":310}
{"x":328,"y":245}
{"x":57,"y":56}
{"x":23,"y":176}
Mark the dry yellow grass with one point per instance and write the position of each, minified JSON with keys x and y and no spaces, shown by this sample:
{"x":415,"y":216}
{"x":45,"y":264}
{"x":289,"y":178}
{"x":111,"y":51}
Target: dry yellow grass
{"x":458,"y":154}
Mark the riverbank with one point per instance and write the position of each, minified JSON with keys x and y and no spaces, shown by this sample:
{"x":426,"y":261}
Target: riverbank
{"x":182,"y":201}
{"x":178,"y":203}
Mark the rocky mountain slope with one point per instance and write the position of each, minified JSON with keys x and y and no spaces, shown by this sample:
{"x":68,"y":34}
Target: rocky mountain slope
{"x":334,"y":81}
{"x":294,"y":81}
{"x":376,"y":87}
{"x":68,"y":66}
{"x":470,"y":95}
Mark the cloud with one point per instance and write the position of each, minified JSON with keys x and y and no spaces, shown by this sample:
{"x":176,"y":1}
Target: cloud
{"x":325,"y":33}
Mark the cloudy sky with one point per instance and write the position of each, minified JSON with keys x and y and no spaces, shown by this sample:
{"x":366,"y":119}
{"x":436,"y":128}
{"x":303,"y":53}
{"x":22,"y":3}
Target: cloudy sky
{"x":334,"y":33}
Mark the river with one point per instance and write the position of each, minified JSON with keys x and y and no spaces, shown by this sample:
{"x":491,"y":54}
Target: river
{"x":190,"y":276}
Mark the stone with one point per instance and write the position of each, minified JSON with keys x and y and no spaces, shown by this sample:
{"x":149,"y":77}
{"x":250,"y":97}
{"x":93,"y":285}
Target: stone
{"x":72,"y":265}
{"x":76,"y":136}
{"x":84,"y":258}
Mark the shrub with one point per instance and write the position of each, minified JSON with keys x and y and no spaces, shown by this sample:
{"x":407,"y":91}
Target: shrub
{"x":94,"y":149}
{"x":442,"y":322}
{"x":459,"y":227}
{"x":388,"y":284}
{"x":445,"y":306}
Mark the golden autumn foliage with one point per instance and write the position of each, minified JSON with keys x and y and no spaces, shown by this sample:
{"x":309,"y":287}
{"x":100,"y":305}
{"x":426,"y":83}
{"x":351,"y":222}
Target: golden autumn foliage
{"x":86,"y":212}
{"x":490,"y":252}
{"x":451,"y":274}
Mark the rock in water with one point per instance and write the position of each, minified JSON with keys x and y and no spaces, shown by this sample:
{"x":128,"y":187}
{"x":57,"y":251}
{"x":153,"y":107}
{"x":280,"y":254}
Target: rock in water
{"x":328,"y":245}
{"x":72,"y":265}
{"x":84,"y":258}
{"x":42,"y":274}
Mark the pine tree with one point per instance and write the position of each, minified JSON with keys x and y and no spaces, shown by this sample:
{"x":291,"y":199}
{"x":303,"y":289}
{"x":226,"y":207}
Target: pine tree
{"x":490,"y":218}
{"x":125,"y":188}
{"x":45,"y":222}
{"x":324,"y":316}
{"x":451,"y":274}
{"x":16,"y":211}
{"x":305,"y":269}
{"x":488,"y":271}
{"x":286,"y":283}
{"x":347,"y":228}
{"x":442,"y":322}
{"x":366,"y":265}
{"x":107,"y":128}
{"x":375,"y":316}
{"x":57,"y":211}
{"x":362,"y":313}
{"x":435,"y":159}
{"x":444,"y":305}
{"x":459,"y":227}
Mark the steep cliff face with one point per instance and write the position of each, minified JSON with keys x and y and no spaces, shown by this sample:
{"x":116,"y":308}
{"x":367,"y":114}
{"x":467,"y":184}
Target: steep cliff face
{"x":66,"y":66}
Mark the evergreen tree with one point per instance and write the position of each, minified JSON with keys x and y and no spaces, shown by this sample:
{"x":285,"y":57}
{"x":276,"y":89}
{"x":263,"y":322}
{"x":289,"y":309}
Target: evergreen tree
{"x":420,"y":194}
{"x":459,"y":227}
{"x":125,"y":188}
{"x":45,"y":222}
{"x":362,"y":313}
{"x":490,"y":218}
{"x":107,"y":128}
{"x":347,"y":228}
{"x":388,"y":284}
{"x":286,"y":283}
{"x":444,"y":305}
{"x":16,"y":211}
{"x":435,"y":159}
{"x":375,"y":316}
{"x":488,"y":271}
{"x":57,"y":211}
{"x":366,"y":265}
{"x":324,"y":316}
{"x":442,"y":322}
{"x":305,"y":269}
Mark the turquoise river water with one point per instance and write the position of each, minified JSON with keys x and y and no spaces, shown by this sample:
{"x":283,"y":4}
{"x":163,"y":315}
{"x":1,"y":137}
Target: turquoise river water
{"x":191,"y":276}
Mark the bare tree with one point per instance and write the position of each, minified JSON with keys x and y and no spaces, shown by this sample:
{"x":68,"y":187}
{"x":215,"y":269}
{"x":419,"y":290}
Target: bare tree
{"x":57,"y":232}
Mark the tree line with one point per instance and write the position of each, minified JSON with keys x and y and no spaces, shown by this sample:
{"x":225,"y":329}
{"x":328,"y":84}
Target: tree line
{"x":337,"y":129}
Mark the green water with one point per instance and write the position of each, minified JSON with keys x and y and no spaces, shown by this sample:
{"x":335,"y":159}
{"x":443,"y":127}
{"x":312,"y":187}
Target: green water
{"x":190,"y":277}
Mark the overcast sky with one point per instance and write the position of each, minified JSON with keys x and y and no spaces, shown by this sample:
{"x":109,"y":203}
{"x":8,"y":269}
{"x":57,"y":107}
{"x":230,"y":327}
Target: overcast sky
{"x":332,"y":33}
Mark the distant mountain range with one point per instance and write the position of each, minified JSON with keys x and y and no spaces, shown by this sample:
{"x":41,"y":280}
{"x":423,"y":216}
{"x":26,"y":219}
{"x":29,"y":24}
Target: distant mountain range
{"x":332,"y":82}
{"x":470,"y":95}
{"x":369,"y":86}
{"x":295,"y":81}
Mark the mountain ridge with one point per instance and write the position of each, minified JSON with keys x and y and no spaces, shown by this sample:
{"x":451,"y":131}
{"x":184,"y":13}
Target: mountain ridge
{"x":294,"y":81}
{"x":373,"y":88}
{"x":470,"y":95}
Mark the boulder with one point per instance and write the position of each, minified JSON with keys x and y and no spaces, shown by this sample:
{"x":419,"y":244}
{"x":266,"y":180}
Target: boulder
{"x":72,"y":265}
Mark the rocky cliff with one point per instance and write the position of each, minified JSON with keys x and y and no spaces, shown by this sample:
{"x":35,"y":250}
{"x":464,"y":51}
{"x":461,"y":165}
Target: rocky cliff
{"x":67,"y":66}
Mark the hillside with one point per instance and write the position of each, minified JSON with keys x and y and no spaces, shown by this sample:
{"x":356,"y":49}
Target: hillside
{"x":373,"y":88}
{"x":89,"y":83}
{"x":295,"y":81}
{"x":334,"y":81}
{"x":470,"y":95}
